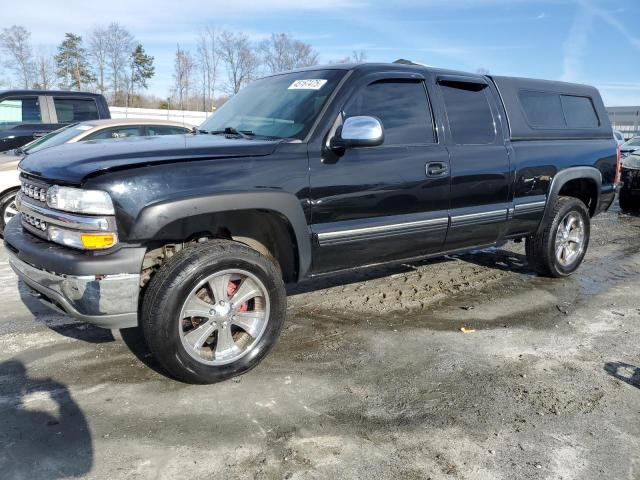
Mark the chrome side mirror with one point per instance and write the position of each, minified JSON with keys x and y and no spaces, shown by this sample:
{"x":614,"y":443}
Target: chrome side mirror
{"x":360,"y":131}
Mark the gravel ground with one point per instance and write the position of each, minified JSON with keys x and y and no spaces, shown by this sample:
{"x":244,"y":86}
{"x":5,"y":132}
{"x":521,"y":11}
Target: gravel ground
{"x":372,"y":378}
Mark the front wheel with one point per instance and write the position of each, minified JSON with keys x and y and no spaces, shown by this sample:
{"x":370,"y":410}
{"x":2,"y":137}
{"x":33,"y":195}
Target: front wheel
{"x":8,"y":209}
{"x":558,"y":249}
{"x":213,"y":311}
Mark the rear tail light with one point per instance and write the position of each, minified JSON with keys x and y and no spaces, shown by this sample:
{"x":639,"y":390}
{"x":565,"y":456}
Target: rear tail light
{"x":618,"y":165}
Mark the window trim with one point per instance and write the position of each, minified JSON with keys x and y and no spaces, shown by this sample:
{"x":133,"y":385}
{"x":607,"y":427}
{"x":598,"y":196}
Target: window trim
{"x":448,"y":81}
{"x":406,"y":77}
{"x":558,"y":94}
{"x":54,"y":112}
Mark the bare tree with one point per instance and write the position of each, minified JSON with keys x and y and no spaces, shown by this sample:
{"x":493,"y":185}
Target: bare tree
{"x":45,"y":70}
{"x":208,"y":60}
{"x":119,"y":44}
{"x":359,"y":56}
{"x":282,"y":52}
{"x":239,"y":58}
{"x":184,"y":65}
{"x":98,"y":51}
{"x":15,"y":43}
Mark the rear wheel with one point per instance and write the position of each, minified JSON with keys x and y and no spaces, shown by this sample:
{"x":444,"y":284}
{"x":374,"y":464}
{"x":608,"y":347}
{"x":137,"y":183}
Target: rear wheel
{"x":559,"y":248}
{"x":8,"y":208}
{"x":627,"y":203}
{"x":213,"y":311}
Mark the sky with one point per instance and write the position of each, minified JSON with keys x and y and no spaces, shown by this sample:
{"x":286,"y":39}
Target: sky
{"x":586,"y":41}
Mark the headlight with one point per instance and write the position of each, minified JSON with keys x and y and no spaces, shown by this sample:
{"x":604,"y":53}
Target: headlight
{"x":81,"y":240}
{"x":631,"y":162}
{"x":92,"y":202}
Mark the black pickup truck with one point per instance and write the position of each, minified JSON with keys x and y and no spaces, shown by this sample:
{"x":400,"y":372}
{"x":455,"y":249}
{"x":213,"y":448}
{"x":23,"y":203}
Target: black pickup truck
{"x":303,"y":174}
{"x":29,"y":114}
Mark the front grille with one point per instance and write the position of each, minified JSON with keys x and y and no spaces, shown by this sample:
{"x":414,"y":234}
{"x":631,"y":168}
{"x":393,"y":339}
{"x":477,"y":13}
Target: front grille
{"x":35,"y":189}
{"x":34,"y":222}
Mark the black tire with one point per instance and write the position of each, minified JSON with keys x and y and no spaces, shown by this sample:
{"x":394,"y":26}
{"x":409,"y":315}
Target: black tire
{"x":541,"y":247}
{"x":171,"y":285}
{"x":627,"y":203}
{"x":5,"y":201}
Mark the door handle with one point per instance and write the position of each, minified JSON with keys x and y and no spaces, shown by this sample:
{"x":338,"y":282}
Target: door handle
{"x":437,"y":169}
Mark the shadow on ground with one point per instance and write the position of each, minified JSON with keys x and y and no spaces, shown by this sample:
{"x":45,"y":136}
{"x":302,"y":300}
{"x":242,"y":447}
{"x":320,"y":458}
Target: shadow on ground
{"x":43,"y":432}
{"x":624,"y":372}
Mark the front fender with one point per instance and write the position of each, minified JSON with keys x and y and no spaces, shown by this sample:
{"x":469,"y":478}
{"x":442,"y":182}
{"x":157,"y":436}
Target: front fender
{"x":154,"y":218}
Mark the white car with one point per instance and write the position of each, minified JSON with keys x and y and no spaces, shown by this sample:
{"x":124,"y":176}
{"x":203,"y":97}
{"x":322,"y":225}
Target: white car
{"x":619,"y":137}
{"x":79,"y":132}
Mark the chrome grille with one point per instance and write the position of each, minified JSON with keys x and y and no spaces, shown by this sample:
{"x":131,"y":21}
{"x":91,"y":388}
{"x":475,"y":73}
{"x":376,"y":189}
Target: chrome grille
{"x":34,"y":189}
{"x":33,"y":221}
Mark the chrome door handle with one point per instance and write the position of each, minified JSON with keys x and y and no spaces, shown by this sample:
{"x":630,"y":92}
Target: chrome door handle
{"x":437,"y":169}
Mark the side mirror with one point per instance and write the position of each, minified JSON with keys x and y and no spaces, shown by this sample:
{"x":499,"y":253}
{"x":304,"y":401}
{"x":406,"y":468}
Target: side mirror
{"x":358,"y":131}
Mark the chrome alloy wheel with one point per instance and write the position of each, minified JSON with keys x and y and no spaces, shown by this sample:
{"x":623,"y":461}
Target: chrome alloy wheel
{"x":224,"y":317}
{"x":10,"y":211}
{"x":570,"y":239}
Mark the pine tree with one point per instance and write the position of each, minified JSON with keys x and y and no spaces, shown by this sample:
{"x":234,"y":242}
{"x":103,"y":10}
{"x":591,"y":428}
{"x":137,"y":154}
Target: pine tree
{"x":71,"y":63}
{"x":142,"y":69}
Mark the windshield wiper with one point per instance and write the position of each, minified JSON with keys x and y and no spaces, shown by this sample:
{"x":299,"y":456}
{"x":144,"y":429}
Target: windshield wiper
{"x":232,"y":131}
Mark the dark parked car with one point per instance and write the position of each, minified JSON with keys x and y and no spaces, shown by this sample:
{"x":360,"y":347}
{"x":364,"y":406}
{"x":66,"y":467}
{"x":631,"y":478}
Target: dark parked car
{"x":300,"y":175}
{"x":28,"y":114}
{"x":629,"y":197}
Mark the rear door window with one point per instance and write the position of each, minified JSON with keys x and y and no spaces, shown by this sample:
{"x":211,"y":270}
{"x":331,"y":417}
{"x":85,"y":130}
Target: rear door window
{"x":401,"y":106}
{"x":72,"y":110}
{"x":18,"y":110}
{"x":469,"y":113}
{"x":116,"y":132}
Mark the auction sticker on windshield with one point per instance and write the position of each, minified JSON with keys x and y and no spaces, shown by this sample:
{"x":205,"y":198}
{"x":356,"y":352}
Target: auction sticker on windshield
{"x":308,"y":84}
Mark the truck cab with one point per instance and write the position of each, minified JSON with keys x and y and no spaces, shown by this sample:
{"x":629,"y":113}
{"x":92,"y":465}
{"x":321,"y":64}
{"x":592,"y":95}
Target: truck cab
{"x":29,"y":114}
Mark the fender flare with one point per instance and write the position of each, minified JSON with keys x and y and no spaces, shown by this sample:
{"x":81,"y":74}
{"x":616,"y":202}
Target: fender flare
{"x":564,"y":176}
{"x":153,"y":218}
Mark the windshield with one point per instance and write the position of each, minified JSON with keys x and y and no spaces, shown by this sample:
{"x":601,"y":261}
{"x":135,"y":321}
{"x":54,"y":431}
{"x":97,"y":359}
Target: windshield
{"x":55,"y":138}
{"x":282,"y":106}
{"x":634,"y":142}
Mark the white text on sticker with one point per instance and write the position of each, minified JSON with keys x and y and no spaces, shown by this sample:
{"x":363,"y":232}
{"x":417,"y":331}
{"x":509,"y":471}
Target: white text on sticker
{"x":309,"y":84}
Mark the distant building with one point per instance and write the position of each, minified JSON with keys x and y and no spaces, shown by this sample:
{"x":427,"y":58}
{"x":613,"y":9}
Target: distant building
{"x":625,"y":120}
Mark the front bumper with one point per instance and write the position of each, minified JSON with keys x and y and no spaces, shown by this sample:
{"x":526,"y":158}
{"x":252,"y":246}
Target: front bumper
{"x":90,"y":289}
{"x":109,"y":302}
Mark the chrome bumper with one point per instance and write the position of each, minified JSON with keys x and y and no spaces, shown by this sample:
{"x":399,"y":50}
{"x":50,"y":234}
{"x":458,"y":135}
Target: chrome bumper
{"x":109,"y":301}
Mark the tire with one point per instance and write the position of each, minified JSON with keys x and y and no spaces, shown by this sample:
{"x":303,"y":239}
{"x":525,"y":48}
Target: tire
{"x":235,"y":338}
{"x":7,"y":202}
{"x":627,"y":203}
{"x":541,"y":248}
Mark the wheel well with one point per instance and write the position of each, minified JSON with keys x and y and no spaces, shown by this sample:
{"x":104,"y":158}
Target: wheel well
{"x":266,"y":231}
{"x":583,"y":189}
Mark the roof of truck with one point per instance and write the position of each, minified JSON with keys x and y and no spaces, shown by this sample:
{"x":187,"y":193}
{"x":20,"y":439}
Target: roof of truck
{"x":48,"y":92}
{"x":509,"y":90}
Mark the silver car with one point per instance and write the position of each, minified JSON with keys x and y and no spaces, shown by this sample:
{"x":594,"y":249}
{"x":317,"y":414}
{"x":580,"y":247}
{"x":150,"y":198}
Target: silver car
{"x":79,"y":132}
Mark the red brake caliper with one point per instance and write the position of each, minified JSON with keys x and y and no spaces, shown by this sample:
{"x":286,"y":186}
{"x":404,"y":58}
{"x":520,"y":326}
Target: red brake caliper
{"x":231,"y":289}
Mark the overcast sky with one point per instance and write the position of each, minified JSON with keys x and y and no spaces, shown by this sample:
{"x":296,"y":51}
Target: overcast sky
{"x":588,"y":41}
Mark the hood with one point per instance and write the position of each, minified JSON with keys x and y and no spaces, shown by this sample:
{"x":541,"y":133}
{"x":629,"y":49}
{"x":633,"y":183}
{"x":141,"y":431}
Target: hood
{"x":629,"y":148}
{"x":73,"y":162}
